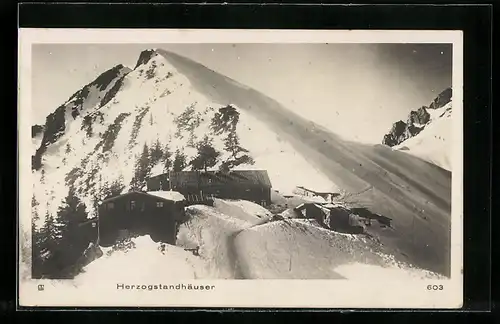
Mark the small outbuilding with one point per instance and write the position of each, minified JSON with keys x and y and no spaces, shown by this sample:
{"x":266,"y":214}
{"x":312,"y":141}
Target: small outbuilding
{"x":305,"y":192}
{"x":330,"y":216}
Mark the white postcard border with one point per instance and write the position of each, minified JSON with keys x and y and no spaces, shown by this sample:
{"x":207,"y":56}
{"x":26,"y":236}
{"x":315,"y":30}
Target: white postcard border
{"x":390,"y":293}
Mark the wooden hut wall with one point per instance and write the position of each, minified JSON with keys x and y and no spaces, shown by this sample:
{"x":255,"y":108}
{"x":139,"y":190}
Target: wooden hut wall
{"x":339,"y":218}
{"x":220,"y":185}
{"x":140,"y":214}
{"x":154,"y":184}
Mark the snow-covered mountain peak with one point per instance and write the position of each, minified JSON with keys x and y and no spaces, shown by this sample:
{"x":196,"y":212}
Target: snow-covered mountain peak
{"x":442,"y":99}
{"x":145,"y":56}
{"x":427,"y":132}
{"x":154,"y":111}
{"x":95,"y":94}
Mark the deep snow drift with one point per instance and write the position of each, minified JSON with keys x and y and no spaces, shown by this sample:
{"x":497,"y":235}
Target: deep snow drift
{"x":212,"y":230}
{"x":236,"y":240}
{"x":143,"y":261}
{"x":208,"y":228}
{"x":297,"y":249}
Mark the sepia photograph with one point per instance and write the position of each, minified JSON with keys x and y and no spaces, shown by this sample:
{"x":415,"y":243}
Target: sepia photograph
{"x":240,"y":168}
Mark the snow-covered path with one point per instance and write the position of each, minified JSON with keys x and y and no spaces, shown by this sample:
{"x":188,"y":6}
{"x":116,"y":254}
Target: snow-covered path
{"x":235,"y":256}
{"x":213,"y":231}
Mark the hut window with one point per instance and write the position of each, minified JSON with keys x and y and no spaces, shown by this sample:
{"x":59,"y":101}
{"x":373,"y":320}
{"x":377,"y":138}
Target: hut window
{"x":159,"y":204}
{"x":111,"y":205}
{"x":132,"y":205}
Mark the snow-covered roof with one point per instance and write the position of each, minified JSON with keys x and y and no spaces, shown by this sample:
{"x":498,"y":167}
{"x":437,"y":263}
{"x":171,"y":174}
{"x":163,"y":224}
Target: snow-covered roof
{"x":318,"y":189}
{"x":325,"y":210}
{"x":169,"y":195}
{"x":315,"y":199}
{"x":166,"y":195}
{"x":300,"y":206}
{"x":157,"y":170}
{"x":254,"y":177}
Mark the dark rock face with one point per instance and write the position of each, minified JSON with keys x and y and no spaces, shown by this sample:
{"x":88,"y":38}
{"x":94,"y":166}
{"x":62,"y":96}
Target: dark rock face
{"x":442,"y":99}
{"x":102,"y":82}
{"x":411,"y":130}
{"x":78,"y":103}
{"x":394,"y":137}
{"x":144,"y":57}
{"x":36,"y":130}
{"x":105,"y":79}
{"x":112,"y":92}
{"x":421,"y":116}
{"x":55,"y":125}
{"x":401,"y":131}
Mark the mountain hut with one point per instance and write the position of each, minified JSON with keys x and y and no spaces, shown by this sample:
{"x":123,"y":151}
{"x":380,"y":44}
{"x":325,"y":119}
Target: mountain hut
{"x":156,"y":213}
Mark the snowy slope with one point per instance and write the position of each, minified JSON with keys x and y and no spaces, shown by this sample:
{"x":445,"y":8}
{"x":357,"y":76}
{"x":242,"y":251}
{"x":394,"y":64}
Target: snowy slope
{"x":433,"y":143}
{"x":275,"y":154}
{"x":141,"y":107}
{"x":149,"y":262}
{"x":243,"y":210}
{"x":296,"y":249}
{"x":414,"y":193}
{"x":211,"y":231}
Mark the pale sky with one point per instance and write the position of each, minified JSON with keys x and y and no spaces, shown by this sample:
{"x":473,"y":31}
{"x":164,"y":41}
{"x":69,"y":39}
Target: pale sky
{"x":357,"y":90}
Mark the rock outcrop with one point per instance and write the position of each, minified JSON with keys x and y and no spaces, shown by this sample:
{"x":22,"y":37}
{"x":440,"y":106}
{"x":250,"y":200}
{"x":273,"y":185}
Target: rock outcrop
{"x":416,"y":122}
{"x":442,"y":99}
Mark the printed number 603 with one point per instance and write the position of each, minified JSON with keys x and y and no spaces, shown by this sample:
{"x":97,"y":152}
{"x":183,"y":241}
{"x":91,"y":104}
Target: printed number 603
{"x":435,"y":287}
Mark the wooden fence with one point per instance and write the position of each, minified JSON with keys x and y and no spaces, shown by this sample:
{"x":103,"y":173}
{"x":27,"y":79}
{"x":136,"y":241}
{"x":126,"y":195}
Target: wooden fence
{"x":200,"y":200}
